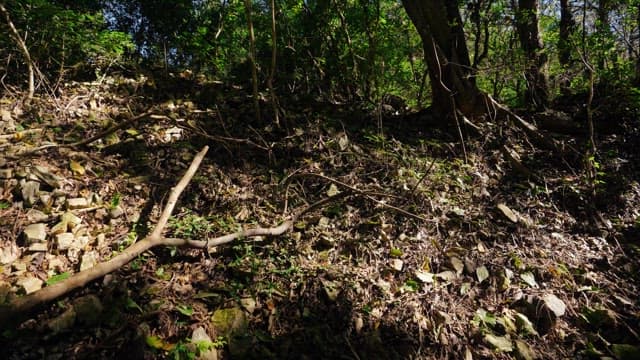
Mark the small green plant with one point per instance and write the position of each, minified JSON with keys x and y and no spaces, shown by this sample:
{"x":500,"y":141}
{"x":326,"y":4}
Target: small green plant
{"x":4,"y":205}
{"x":115,"y":200}
{"x":188,"y":350}
{"x":190,"y":225}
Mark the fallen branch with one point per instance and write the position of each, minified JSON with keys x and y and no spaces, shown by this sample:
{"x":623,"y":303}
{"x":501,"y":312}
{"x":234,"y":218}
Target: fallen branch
{"x":16,"y":309}
{"x":14,"y":312}
{"x":530,"y":129}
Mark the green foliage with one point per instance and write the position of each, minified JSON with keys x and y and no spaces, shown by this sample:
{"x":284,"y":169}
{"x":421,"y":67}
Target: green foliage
{"x":61,"y":37}
{"x":190,"y":225}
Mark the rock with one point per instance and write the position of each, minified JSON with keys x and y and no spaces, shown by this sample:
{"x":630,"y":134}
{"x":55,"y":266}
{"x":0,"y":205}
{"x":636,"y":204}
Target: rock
{"x":6,"y":173}
{"x":555,"y":305}
{"x":249,"y":304}
{"x":200,"y":336}
{"x":63,"y":321}
{"x":88,"y":309}
{"x":38,"y":247}
{"x":523,"y":351}
{"x":457,"y":264}
{"x":9,"y":254}
{"x":29,"y":190}
{"x":116,"y":212}
{"x":396,"y":264}
{"x":34,"y":233}
{"x":35,"y":216}
{"x":64,"y":240}
{"x":77,"y":203}
{"x":229,"y":322}
{"x":89,"y":260}
{"x":543,"y":311}
{"x":508,"y":213}
{"x":499,"y":343}
{"x":331,"y":289}
{"x":46,"y":176}
{"x":68,"y":221}
{"x":30,"y":284}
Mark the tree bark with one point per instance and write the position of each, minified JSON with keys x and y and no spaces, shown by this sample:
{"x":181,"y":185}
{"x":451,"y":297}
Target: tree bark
{"x":452,"y":78}
{"x":637,"y":79}
{"x":567,"y":26}
{"x":537,"y":94}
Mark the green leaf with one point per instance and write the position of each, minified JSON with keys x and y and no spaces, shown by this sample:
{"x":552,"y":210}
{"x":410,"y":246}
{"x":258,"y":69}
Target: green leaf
{"x":57,"y":278}
{"x":185,"y":310}
{"x":395,"y":252}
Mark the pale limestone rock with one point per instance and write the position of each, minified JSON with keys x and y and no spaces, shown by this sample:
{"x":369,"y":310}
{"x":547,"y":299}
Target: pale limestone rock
{"x":29,"y":190}
{"x":89,"y":260}
{"x":38,"y":247}
{"x":64,"y":240}
{"x":77,"y":203}
{"x":30,"y":284}
{"x":35,"y":233}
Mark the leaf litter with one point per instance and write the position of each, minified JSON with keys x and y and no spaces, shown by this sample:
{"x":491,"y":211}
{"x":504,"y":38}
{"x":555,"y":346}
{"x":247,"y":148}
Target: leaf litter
{"x":419,"y":249}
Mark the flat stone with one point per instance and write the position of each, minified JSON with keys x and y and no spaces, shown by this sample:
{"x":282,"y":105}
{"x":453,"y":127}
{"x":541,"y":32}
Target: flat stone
{"x":396,"y":264}
{"x":6,"y":173}
{"x":38,"y":247}
{"x":34,"y":216}
{"x":45,"y":175}
{"x":554,"y":304}
{"x":77,"y":203}
{"x":81,"y":242}
{"x":89,"y":260}
{"x":9,"y":254}
{"x":30,"y":284}
{"x":29,"y":190}
{"x":116,"y":212}
{"x":64,"y":240}
{"x":35,"y":233}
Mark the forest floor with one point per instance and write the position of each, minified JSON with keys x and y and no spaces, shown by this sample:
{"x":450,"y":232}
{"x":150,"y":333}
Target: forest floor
{"x":427,"y":249}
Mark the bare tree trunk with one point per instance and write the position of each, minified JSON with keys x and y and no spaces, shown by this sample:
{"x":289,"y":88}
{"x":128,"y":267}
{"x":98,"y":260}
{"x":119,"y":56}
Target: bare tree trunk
{"x":637,"y":80}
{"x":272,"y":71}
{"x":23,"y":48}
{"x":567,"y":26}
{"x":537,"y":94}
{"x":252,"y":58}
{"x":452,"y":78}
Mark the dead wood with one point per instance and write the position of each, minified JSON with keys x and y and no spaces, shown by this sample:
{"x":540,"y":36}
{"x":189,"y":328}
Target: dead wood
{"x":16,"y":309}
{"x":502,"y":112}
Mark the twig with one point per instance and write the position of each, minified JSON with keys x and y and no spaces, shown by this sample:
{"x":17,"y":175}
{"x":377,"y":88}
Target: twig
{"x":109,"y":131}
